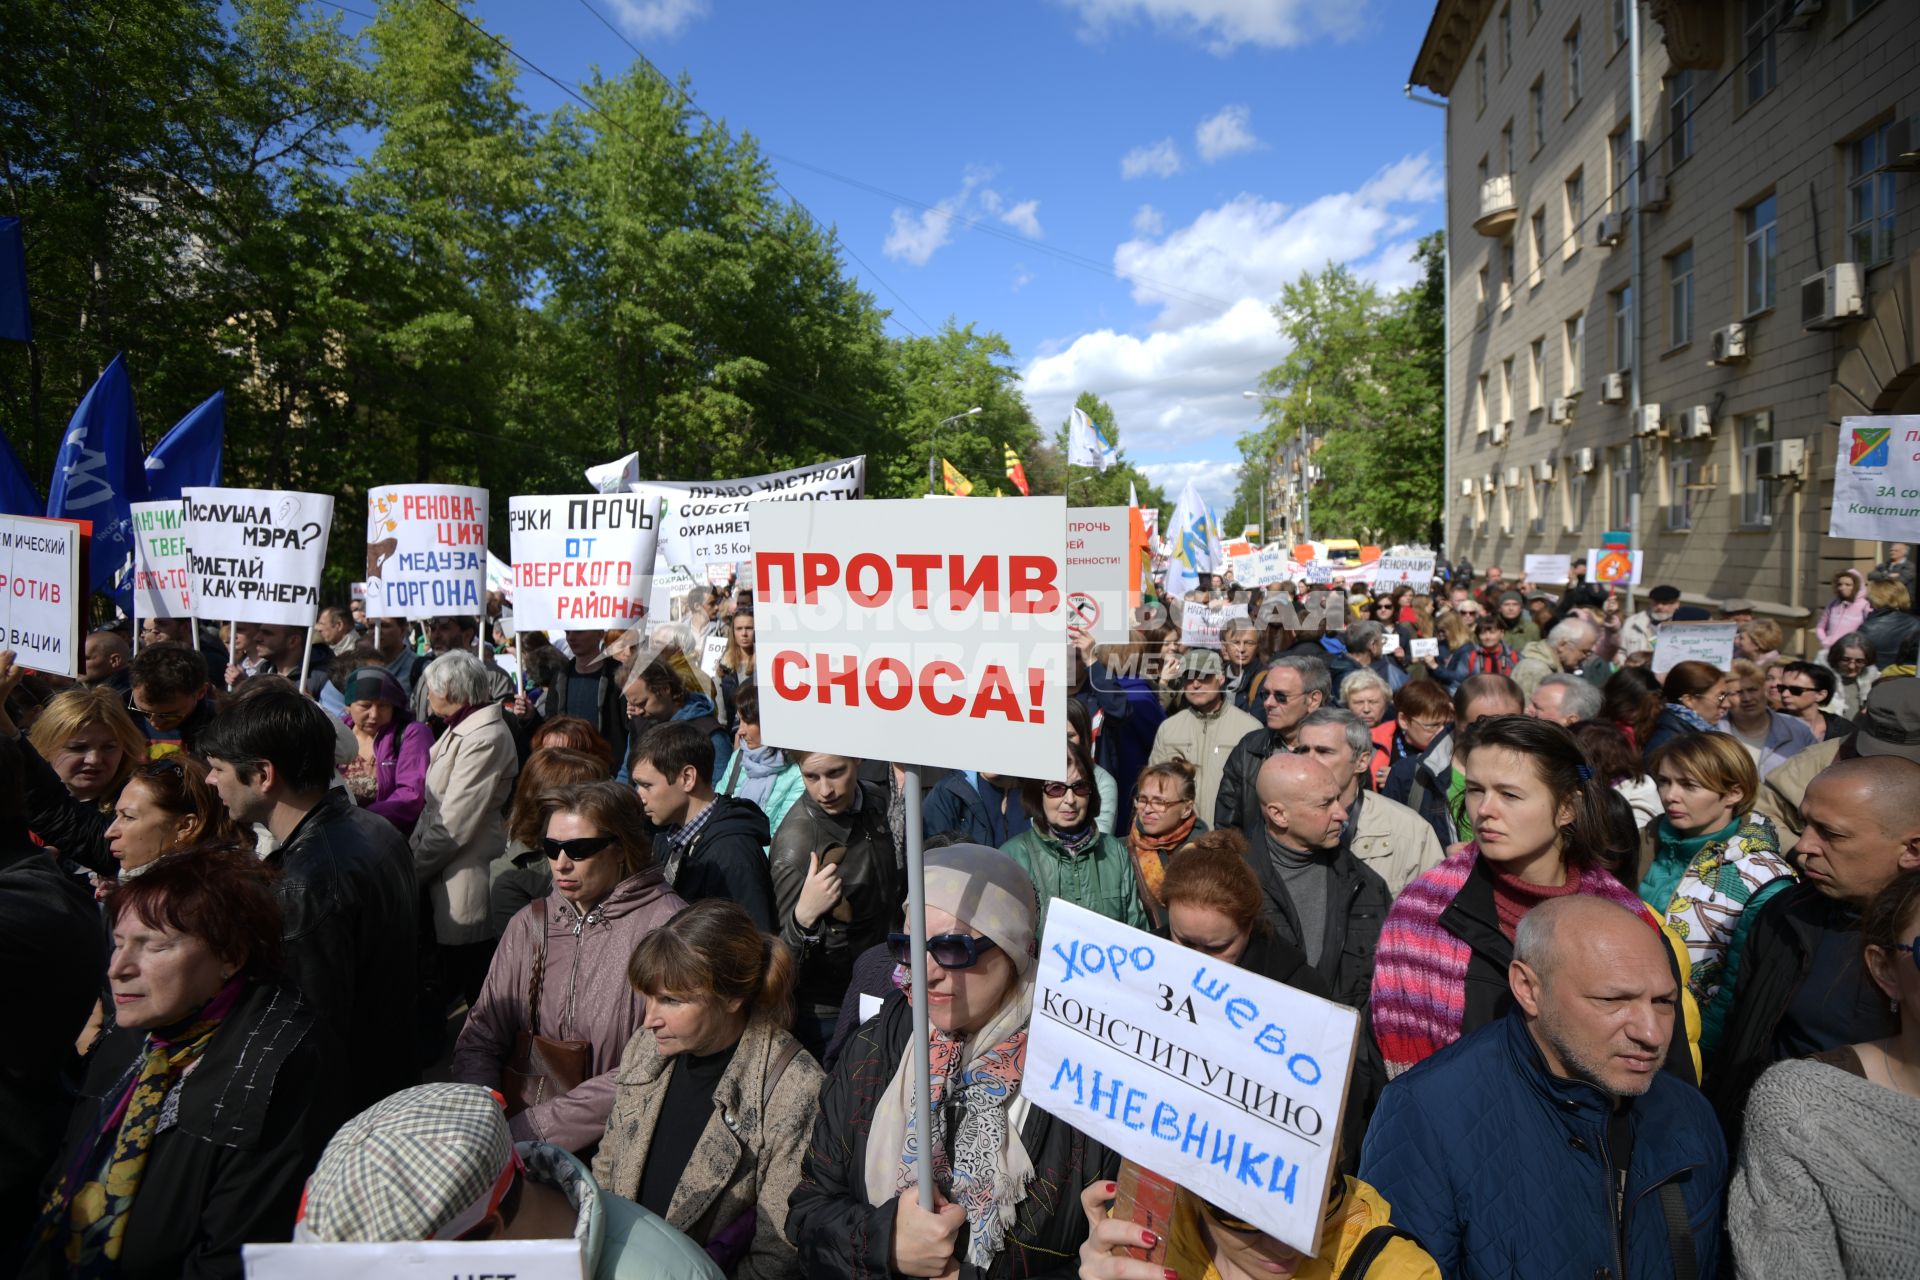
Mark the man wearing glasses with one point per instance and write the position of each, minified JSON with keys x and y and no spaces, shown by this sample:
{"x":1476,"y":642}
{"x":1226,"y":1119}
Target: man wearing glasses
{"x":1636,"y":633}
{"x":1803,"y":687}
{"x":1296,"y":685}
{"x":171,"y":699}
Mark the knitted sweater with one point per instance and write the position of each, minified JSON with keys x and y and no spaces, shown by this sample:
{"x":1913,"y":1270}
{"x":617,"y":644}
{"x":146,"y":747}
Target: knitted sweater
{"x":1828,"y":1181}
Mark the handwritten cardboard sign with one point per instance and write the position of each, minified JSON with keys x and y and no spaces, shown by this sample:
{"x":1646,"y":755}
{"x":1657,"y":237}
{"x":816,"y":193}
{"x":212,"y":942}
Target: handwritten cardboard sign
{"x":1394,"y":570}
{"x":582,"y":562}
{"x":255,"y":555}
{"x":1547,"y":568}
{"x":1876,"y":479}
{"x":1677,"y":642}
{"x":1223,"y":1081}
{"x":705,"y":521}
{"x":41,"y":593}
{"x":426,"y":551}
{"x":160,"y":583}
{"x":1101,"y":575}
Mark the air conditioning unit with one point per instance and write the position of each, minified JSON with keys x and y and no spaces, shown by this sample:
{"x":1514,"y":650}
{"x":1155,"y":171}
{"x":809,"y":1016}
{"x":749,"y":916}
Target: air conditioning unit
{"x":1653,"y":193}
{"x":1729,"y":345}
{"x":1466,"y":487}
{"x":1831,"y":298}
{"x":1647,"y":421}
{"x":1513,"y":477}
{"x":1498,"y":433}
{"x":1800,"y":15}
{"x":1903,"y":144}
{"x":1583,"y":462}
{"x":1561,"y":410}
{"x":1613,"y":388}
{"x":1789,"y":460}
{"x":1487,"y":485}
{"x":1610,"y":230}
{"x":1543,"y":471}
{"x":1695,"y":423}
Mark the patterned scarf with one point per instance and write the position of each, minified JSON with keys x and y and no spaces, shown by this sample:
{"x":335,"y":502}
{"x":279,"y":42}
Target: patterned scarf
{"x":1420,"y":967}
{"x":1688,"y":718}
{"x":1150,"y":854}
{"x":91,"y":1203}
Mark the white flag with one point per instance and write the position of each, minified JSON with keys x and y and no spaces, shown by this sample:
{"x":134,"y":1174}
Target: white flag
{"x":1087,"y":446}
{"x":616,"y":476}
{"x":1193,"y":543}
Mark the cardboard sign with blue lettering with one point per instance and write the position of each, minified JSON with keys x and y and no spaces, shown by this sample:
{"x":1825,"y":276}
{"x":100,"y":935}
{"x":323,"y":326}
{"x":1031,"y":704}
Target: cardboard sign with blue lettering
{"x":1224,"y":1082}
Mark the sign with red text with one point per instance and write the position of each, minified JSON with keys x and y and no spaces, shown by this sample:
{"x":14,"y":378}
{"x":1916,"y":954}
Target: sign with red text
{"x":581,"y":562}
{"x":1876,"y":479}
{"x":930,"y":635}
{"x":1100,"y":574}
{"x":160,"y":560}
{"x":255,"y":555}
{"x":1394,"y":570}
{"x":704,"y":522}
{"x":41,"y":593}
{"x":426,"y":551}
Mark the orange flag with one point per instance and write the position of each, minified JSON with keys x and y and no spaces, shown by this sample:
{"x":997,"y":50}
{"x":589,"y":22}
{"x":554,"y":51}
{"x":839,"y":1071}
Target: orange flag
{"x":1017,"y":473}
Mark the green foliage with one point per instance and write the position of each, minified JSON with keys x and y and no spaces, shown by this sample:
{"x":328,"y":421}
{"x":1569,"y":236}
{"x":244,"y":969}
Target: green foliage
{"x":1089,"y":486}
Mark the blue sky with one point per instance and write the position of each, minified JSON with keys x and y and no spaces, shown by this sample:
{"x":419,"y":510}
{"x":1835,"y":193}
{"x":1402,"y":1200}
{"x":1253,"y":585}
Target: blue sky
{"x":1144,"y":174}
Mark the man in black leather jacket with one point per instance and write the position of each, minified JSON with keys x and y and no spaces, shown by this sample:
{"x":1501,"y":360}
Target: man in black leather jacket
{"x":346,"y":881}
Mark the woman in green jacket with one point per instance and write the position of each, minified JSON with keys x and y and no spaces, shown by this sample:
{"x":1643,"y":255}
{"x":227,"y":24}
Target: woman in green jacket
{"x":1067,"y":855}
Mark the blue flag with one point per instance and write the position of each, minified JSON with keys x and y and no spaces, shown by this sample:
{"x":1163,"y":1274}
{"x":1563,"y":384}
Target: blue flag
{"x":16,"y":321}
{"x":97,"y":473}
{"x":17,"y":495}
{"x":189,"y":455}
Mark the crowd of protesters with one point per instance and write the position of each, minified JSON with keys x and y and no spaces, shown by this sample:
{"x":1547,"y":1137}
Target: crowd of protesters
{"x":358,"y":935}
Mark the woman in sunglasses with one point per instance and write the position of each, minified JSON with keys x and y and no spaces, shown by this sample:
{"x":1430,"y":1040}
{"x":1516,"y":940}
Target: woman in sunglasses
{"x":856,"y":1210}
{"x":560,"y":972}
{"x":1828,"y":1179}
{"x":1068,"y":855}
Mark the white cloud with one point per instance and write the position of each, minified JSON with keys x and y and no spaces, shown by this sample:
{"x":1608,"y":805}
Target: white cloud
{"x":1222,"y":26}
{"x":1149,"y":221}
{"x":1215,"y":481}
{"x":1021,"y":276}
{"x":915,"y":236}
{"x":657,"y":17}
{"x":1024,"y":218}
{"x":1159,"y":159}
{"x":1225,"y":134}
{"x":918,"y":234}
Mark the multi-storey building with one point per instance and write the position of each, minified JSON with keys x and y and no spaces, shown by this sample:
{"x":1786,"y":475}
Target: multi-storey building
{"x":1657,"y":318}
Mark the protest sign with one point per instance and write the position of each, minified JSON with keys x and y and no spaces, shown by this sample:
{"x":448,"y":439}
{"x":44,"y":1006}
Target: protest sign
{"x":560,"y":1259}
{"x":41,"y":593}
{"x":359,"y":590}
{"x":1394,"y":570}
{"x":1101,"y":582}
{"x":580,"y":562}
{"x":719,"y":575}
{"x":1267,"y":567}
{"x":1543,"y":568}
{"x":879,"y":638}
{"x":1319,"y":574}
{"x":1426,"y":650}
{"x":499,"y":577}
{"x":1677,"y":642}
{"x":255,"y":555}
{"x":667,"y":600}
{"x":160,"y":561}
{"x":713,"y":650}
{"x":705,"y":521}
{"x":426,"y":551}
{"x":1876,"y":479}
{"x":1615,"y":566}
{"x":1225,"y":1082}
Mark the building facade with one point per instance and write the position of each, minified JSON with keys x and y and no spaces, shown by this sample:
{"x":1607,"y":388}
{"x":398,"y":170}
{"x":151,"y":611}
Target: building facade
{"x":1657,"y":323}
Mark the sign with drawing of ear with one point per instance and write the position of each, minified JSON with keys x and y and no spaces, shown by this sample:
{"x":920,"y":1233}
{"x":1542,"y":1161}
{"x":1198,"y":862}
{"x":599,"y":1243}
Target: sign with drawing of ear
{"x":255,"y":555}
{"x":426,"y":551}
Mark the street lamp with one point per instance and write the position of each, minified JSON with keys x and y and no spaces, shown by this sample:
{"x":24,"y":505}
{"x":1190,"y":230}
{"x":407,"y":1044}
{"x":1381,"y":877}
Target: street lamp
{"x":1306,"y":502}
{"x":933,"y":454}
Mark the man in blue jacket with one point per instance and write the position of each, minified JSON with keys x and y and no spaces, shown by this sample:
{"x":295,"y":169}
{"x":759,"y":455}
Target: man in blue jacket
{"x":1550,"y":1144}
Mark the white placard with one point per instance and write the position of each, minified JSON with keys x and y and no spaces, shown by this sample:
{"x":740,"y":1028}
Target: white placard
{"x":713,"y":650}
{"x":581,"y":562}
{"x":1876,"y":479}
{"x":499,"y":577}
{"x":1267,"y":567}
{"x":359,"y":591}
{"x":425,"y":1259}
{"x":1319,"y":574}
{"x":1394,"y":570}
{"x":255,"y":555}
{"x":1389,"y":643}
{"x":1614,"y":568}
{"x":1224,"y":1082}
{"x":898,"y":631}
{"x":41,"y":594}
{"x":1677,"y":642}
{"x":719,"y":575}
{"x":160,"y":587}
{"x":1100,"y":572}
{"x":426,"y":551}
{"x":1544,"y":568}
{"x":1427,"y":650}
{"x":705,"y":521}
{"x":667,"y":600}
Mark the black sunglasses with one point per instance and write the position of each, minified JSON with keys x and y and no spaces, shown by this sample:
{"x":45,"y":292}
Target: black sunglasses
{"x":948,"y":950}
{"x":1082,"y":789}
{"x":579,"y":849}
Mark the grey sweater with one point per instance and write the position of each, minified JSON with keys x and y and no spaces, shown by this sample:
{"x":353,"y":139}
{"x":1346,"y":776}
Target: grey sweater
{"x":1828,"y":1182}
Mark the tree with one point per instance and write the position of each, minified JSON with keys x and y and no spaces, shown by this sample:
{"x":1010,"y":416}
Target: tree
{"x":1091,"y":487}
{"x":955,"y":370}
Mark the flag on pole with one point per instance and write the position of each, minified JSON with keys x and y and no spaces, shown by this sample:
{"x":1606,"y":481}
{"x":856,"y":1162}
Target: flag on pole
{"x":189,"y":455}
{"x":1087,"y":444}
{"x":1194,"y":543}
{"x":16,"y":318}
{"x":17,"y":494}
{"x":97,"y":473}
{"x":957,"y":485}
{"x":615,"y":476}
{"x":1017,"y":473}
{"x":1138,"y":547}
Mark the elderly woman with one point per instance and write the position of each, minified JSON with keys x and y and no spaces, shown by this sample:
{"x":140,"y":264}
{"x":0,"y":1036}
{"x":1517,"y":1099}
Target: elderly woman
{"x":388,"y":773}
{"x":1367,"y":696}
{"x":1164,"y":819}
{"x":714,"y":1104}
{"x":1067,"y":854}
{"x":470,"y":774}
{"x":856,"y":1211}
{"x":204,"y":1110}
{"x":556,"y":1012}
{"x":1851,"y":659}
{"x":78,"y":755}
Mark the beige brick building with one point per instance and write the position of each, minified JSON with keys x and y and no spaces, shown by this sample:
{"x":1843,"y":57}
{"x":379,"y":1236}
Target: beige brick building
{"x":1597,"y":352}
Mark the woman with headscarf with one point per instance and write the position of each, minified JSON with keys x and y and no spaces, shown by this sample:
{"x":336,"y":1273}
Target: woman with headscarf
{"x":388,"y":773}
{"x":856,"y":1211}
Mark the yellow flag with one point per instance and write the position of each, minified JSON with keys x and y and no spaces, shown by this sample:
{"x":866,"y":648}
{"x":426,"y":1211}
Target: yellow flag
{"x":957,"y":485}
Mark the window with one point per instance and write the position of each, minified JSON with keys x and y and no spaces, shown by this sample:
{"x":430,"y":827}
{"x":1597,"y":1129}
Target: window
{"x":1480,"y":80}
{"x":1680,"y":493}
{"x":1756,"y":464}
{"x":1619,"y":169}
{"x":1620,"y":488}
{"x":1761,"y":66}
{"x":1480,"y":406}
{"x":1506,"y":148}
{"x":1576,"y":355}
{"x":1538,"y":231}
{"x":1506,"y":38}
{"x":1537,"y":115}
{"x":1680,"y":90}
{"x":1761,"y":254}
{"x":1484,"y":298}
{"x":1869,"y":200}
{"x":1537,"y":374}
{"x":1506,"y":390}
{"x":1573,"y":498}
{"x":1620,"y":32}
{"x":1506,"y":508}
{"x":1620,"y":311}
{"x":1576,"y":210}
{"x":1537,"y":491}
{"x":1680,"y":298}
{"x":1507,"y":272}
{"x":1572,"y":43}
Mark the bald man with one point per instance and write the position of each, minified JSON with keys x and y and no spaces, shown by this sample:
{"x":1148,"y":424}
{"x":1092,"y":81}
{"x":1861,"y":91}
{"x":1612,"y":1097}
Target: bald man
{"x":1319,"y":897}
{"x":1800,"y":987}
{"x":107,"y":654}
{"x":1504,"y":1152}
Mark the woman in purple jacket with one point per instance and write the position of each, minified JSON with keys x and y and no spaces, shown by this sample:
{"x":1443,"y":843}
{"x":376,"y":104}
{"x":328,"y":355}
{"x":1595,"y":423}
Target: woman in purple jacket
{"x":389,"y":775}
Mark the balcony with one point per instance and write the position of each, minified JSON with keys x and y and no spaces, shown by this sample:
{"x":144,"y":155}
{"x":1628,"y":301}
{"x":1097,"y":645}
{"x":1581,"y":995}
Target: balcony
{"x":1498,"y":209}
